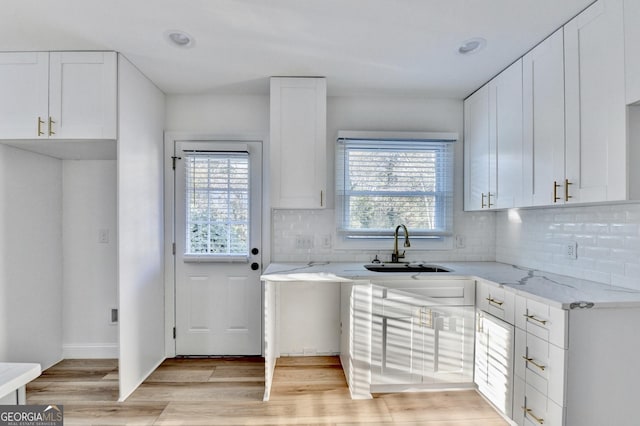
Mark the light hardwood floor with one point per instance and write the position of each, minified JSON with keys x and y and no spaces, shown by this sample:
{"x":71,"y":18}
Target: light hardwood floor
{"x":228,"y":391}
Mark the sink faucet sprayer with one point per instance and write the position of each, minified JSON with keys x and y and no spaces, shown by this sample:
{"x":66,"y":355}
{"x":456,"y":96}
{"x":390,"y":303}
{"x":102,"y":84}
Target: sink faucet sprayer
{"x":395,"y":255}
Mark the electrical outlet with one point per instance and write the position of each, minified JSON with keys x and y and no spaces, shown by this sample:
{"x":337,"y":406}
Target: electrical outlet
{"x":460,"y":241}
{"x":571,"y":250}
{"x":304,"y":241}
{"x":326,"y":241}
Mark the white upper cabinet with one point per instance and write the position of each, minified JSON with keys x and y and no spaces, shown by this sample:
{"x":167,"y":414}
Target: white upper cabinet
{"x":493,"y":142}
{"x":476,"y":150}
{"x":58,"y":95}
{"x":543,"y":122}
{"x":82,"y":94}
{"x":505,"y":137}
{"x":298,"y":143}
{"x":632,"y":49}
{"x":596,"y":143}
{"x":24,"y":94}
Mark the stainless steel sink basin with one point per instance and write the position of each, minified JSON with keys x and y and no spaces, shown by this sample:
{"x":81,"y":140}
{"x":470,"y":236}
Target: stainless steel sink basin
{"x":404,"y":267}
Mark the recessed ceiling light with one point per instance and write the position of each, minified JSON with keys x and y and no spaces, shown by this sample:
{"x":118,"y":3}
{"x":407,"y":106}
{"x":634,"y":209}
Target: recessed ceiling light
{"x":472,"y":46}
{"x":179,"y":38}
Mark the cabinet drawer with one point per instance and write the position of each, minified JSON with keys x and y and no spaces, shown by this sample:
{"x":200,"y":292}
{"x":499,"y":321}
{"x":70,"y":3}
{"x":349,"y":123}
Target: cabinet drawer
{"x":532,"y":408}
{"x":542,"y":320}
{"x":541,"y":364}
{"x":426,"y":292}
{"x":496,"y":300}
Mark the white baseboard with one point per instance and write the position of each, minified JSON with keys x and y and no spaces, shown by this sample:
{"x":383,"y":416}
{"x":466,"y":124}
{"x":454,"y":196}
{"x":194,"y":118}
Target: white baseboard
{"x":90,"y":351}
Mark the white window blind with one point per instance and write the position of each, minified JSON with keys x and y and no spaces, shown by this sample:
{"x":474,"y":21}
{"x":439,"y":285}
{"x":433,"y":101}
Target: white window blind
{"x":382,"y":183}
{"x":217,"y":198}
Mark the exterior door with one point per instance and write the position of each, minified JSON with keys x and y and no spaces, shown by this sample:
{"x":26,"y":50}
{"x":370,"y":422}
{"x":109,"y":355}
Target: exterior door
{"x":218,"y":252}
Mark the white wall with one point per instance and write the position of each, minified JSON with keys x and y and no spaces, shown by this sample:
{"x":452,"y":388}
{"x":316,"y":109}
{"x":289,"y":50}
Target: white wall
{"x":30,"y":257}
{"x":140,"y":226}
{"x":218,"y":115}
{"x":608,"y":239}
{"x":90,"y":272}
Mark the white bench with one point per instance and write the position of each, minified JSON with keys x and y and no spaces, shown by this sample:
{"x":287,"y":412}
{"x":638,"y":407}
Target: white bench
{"x":14,"y":377}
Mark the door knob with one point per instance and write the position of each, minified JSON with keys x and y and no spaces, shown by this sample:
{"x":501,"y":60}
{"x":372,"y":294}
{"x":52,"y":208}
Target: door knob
{"x":255,"y":266}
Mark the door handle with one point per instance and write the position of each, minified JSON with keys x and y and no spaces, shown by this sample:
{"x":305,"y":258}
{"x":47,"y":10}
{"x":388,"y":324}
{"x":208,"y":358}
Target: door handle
{"x":255,"y":266}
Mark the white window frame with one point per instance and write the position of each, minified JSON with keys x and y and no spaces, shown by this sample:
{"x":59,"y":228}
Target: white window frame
{"x":436,"y":241}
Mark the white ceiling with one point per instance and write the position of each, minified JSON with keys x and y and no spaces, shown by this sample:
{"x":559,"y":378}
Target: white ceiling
{"x":402,"y":47}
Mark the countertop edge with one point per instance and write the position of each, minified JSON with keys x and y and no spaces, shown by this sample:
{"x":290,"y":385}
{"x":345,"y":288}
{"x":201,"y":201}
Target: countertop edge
{"x":353,"y":272}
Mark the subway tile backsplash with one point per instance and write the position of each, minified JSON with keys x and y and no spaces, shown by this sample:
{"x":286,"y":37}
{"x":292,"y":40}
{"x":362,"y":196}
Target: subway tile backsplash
{"x":607,"y":237}
{"x":308,"y":235}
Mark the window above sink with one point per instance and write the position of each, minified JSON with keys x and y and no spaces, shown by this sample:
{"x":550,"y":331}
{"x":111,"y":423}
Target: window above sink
{"x":387,"y":178}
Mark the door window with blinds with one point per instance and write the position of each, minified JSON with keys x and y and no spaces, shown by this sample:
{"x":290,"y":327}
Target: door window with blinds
{"x":384,"y":182}
{"x":217,"y":204}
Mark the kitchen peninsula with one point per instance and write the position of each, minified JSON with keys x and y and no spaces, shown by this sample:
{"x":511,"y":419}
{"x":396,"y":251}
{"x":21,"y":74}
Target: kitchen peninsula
{"x":563,"y":326}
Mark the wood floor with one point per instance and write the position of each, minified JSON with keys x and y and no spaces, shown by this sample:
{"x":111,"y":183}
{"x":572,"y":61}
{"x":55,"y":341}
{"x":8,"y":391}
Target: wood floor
{"x":228,"y":391}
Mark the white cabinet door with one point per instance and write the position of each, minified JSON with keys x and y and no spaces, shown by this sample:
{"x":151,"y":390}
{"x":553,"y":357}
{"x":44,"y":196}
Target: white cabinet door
{"x":23,"y":94}
{"x":82,"y":100}
{"x":505,"y":130}
{"x":494,"y":361}
{"x":493,"y":142}
{"x":596,"y":143}
{"x":632,"y":52}
{"x":397,"y":350}
{"x":476,"y":150}
{"x":449,"y":338}
{"x":298,"y":142}
{"x":543,"y":120}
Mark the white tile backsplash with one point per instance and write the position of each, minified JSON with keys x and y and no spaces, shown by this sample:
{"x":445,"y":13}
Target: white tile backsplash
{"x":608,"y":239}
{"x":478,"y":230}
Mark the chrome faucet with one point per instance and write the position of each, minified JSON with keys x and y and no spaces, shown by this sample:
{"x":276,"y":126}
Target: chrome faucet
{"x":395,"y":255}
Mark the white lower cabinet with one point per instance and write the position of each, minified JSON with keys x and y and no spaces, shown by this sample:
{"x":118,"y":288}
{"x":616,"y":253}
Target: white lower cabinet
{"x":493,"y":373}
{"x":532,"y":407}
{"x":540,"y":363}
{"x":565,"y":367}
{"x":422,"y":333}
{"x":575,"y":367}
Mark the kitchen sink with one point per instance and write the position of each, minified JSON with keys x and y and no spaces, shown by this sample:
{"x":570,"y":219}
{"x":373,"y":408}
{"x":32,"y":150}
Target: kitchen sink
{"x":404,"y":267}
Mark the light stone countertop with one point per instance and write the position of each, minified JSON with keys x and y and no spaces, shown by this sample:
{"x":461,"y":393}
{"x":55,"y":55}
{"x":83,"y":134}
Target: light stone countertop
{"x":15,"y":375}
{"x":557,"y":290}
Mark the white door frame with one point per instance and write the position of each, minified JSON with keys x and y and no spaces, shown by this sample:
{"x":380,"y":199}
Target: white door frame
{"x":169,"y":267}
